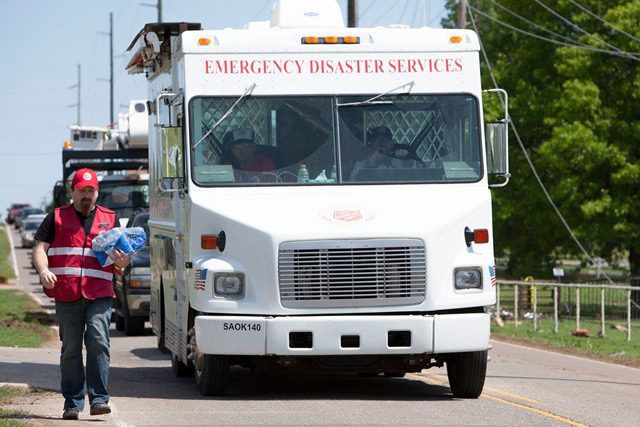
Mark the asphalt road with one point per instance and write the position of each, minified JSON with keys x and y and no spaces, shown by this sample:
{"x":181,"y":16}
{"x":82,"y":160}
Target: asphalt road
{"x":524,"y":387}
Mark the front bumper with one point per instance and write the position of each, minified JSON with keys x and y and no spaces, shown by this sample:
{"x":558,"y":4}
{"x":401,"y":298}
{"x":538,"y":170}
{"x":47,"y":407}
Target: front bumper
{"x":139,"y":303}
{"x":260,"y":336}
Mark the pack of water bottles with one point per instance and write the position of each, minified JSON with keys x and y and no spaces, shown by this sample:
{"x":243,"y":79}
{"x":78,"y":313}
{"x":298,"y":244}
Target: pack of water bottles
{"x":128,"y":240}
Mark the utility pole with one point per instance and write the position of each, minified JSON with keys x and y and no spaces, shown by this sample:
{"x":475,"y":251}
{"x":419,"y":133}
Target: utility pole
{"x":111,"y":64}
{"x":79,"y":117}
{"x":110,"y":34}
{"x":352,"y":13}
{"x":158,"y":6}
{"x":77,"y":104}
{"x":461,"y":19}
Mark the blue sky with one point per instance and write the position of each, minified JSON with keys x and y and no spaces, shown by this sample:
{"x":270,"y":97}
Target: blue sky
{"x":42,"y":41}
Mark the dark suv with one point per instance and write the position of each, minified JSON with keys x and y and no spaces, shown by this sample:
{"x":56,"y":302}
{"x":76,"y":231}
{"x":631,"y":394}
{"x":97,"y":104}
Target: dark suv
{"x":132,"y":286}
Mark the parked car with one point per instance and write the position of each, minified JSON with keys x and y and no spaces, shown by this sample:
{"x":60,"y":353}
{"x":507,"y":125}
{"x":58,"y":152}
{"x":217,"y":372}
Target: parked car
{"x":29,"y":227}
{"x":133,"y":296}
{"x":13,"y":211}
{"x":25,"y":212}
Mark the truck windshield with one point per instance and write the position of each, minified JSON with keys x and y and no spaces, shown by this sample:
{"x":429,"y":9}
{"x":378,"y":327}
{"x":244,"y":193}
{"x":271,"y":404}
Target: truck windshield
{"x":336,"y":140}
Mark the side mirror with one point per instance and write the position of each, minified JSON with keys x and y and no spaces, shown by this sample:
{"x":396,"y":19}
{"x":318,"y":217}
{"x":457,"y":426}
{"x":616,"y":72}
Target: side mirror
{"x":172,"y":178}
{"x":59,"y":194}
{"x":497,"y":150}
{"x":497,"y":141}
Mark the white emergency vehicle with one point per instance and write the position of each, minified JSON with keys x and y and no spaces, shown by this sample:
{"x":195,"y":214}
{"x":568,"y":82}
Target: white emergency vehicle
{"x":267,"y":249}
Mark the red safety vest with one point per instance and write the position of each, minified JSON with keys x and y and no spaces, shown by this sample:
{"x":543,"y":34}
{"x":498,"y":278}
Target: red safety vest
{"x":71,"y":259}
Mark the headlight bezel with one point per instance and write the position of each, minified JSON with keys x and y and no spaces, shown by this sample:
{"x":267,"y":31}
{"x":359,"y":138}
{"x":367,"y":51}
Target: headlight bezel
{"x":460,"y":271}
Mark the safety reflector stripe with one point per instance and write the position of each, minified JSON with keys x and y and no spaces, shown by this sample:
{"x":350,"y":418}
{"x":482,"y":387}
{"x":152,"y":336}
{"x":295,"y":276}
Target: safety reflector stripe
{"x":75,"y":271}
{"x":70,"y":251}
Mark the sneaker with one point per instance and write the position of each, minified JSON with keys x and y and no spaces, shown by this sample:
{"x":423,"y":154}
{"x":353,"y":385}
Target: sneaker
{"x":100,"y":409}
{"x":70,"y":414}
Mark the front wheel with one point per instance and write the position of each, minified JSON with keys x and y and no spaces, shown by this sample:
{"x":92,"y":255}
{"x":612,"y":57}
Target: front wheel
{"x":211,"y":375}
{"x":119,"y":320}
{"x":180,"y":369}
{"x":466,"y":372}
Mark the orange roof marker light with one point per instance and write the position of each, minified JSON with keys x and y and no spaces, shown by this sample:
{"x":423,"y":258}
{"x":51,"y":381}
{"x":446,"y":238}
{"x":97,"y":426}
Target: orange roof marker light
{"x":330,"y":40}
{"x":455,"y":39}
{"x":204,"y":41}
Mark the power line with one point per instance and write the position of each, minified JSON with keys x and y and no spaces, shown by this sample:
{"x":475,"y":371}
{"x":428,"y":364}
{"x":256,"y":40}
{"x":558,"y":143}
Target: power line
{"x":261,"y":10}
{"x":29,"y":154}
{"x":415,"y":13}
{"x":575,"y":26}
{"x":529,"y":161}
{"x":437,"y":16}
{"x":404,"y":10}
{"x":558,"y":42}
{"x":395,"y":3}
{"x":599,"y":18}
{"x":540,"y":27}
{"x":364,"y":12}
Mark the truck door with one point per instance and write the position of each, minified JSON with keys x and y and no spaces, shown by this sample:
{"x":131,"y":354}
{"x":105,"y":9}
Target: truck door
{"x":171,"y":208}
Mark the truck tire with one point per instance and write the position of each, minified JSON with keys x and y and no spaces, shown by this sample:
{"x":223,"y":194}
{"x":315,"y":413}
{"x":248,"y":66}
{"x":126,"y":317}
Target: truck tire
{"x":212,"y":376}
{"x":180,"y":369}
{"x":466,"y":372}
{"x":119,"y":321}
{"x":132,"y":325}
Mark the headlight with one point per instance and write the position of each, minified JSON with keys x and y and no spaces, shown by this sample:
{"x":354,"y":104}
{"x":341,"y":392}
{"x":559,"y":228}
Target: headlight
{"x":229,"y":283}
{"x":468,"y":278}
{"x":140,"y":277}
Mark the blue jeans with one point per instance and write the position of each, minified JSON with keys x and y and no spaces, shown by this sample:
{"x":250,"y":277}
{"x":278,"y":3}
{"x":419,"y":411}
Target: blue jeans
{"x":88,"y":319}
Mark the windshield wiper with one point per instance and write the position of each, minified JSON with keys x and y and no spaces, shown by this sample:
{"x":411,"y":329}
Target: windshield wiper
{"x":372,"y":101}
{"x":224,"y":116}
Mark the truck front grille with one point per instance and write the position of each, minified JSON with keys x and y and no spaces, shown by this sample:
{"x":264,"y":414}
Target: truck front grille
{"x":352,"y":273}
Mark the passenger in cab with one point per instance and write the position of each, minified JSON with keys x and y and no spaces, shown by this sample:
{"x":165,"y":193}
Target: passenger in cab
{"x":384,"y":153}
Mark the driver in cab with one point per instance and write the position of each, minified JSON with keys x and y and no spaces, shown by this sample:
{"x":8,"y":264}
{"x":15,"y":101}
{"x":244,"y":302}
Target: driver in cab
{"x":247,"y":163}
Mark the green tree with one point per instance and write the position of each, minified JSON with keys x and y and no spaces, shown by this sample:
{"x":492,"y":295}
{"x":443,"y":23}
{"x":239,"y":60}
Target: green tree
{"x":577,"y":110}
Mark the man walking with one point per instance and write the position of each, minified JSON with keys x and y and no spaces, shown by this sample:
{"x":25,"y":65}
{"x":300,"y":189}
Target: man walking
{"x":83,"y":292}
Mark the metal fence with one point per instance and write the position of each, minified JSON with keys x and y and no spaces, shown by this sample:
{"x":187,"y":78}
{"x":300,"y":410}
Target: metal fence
{"x":530,"y":300}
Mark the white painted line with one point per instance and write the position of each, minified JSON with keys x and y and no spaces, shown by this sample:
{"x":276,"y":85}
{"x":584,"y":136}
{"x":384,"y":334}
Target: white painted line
{"x":13,"y":251}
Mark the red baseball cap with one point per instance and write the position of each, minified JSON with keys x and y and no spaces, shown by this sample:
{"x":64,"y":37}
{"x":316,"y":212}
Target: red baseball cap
{"x":85,"y":178}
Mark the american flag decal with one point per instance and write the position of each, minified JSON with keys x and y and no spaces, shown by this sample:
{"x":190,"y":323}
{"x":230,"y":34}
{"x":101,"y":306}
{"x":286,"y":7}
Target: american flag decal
{"x":492,"y":275}
{"x":201,"y":279}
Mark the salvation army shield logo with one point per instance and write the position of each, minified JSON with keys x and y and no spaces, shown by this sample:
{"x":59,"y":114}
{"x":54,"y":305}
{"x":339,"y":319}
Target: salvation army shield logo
{"x":347,"y":215}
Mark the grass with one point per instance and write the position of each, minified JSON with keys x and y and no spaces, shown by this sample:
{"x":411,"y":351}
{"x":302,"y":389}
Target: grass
{"x":6,"y":268}
{"x":8,"y":417}
{"x":613,"y":347}
{"x":22,"y":322}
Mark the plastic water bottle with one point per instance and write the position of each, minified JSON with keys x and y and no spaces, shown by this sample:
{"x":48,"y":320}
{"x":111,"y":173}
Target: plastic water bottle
{"x":334,"y":175}
{"x":303,"y":173}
